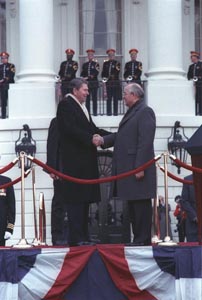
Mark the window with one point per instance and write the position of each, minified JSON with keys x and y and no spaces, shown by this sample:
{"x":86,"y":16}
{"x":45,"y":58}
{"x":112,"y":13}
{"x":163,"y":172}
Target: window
{"x":198,"y":25}
{"x":100,"y":27}
{"x":2,"y":25}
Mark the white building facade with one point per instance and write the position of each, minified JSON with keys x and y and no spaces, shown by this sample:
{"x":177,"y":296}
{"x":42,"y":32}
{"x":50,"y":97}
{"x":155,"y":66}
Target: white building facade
{"x":37,"y":34}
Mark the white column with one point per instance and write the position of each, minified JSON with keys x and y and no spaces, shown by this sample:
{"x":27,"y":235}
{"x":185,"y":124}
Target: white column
{"x":167,"y":89}
{"x":165,"y":39}
{"x":33,"y":95}
{"x":36,"y":40}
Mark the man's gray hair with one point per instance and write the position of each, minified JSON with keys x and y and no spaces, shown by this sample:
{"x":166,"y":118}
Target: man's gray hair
{"x":76,"y":83}
{"x":136,"y":89}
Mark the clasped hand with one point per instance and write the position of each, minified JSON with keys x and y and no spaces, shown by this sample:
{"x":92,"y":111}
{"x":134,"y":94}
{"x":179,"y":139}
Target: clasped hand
{"x":7,"y":235}
{"x":97,"y":140}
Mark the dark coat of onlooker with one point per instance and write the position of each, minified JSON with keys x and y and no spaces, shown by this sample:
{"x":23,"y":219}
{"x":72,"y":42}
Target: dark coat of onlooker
{"x":188,"y":203}
{"x":7,"y":208}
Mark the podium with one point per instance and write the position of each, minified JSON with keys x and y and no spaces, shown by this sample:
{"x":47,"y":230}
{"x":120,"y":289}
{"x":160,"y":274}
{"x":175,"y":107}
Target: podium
{"x":194,"y":148}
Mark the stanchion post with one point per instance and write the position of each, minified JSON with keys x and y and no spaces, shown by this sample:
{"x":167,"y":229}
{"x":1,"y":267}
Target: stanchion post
{"x":23,"y":242}
{"x":167,"y":240}
{"x":156,"y":236}
{"x":36,"y":240}
{"x":42,"y":220}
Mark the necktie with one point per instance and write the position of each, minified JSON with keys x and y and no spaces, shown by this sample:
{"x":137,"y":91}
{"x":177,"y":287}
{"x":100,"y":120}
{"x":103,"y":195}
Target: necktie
{"x":4,"y":71}
{"x":132,"y":68}
{"x":66,"y":67}
{"x":194,"y":72}
{"x":110,"y":68}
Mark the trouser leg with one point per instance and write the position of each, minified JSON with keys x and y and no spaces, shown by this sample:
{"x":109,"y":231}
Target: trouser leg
{"x":78,"y":222}
{"x":140,"y":213}
{"x":94,"y":99}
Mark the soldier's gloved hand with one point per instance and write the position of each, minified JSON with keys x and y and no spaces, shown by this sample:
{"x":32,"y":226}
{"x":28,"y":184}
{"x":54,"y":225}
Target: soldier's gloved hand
{"x":7,"y":235}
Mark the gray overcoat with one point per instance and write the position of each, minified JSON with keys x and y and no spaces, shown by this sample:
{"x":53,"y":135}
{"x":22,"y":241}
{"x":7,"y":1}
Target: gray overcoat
{"x":133,"y":147}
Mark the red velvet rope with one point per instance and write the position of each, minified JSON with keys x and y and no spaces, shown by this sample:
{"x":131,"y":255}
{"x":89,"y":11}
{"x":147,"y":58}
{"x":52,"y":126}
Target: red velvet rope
{"x":177,"y":178}
{"x":6,"y":185}
{"x":9,"y":166}
{"x":185,"y":166}
{"x":94,"y":181}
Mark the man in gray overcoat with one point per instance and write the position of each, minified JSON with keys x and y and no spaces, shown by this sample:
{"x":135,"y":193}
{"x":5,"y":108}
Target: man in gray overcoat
{"x":133,"y":147}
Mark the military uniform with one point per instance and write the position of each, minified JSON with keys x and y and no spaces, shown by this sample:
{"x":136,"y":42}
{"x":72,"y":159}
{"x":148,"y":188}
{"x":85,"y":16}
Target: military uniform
{"x":110,"y":71}
{"x":7,"y":209}
{"x":67,"y":72}
{"x":90,"y":71}
{"x":133,"y":69}
{"x":195,"y":73}
{"x":7,"y":73}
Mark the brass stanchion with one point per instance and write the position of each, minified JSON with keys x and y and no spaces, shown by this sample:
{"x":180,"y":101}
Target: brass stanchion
{"x":42,"y":220}
{"x":23,"y":242}
{"x":36,"y":241}
{"x":156,"y":237}
{"x":167,"y":240}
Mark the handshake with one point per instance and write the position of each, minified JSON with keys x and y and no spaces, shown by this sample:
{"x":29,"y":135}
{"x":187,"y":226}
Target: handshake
{"x":97,"y":140}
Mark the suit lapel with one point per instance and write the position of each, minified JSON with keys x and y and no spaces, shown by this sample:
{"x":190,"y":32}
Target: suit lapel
{"x":130,"y":113}
{"x":78,"y":109}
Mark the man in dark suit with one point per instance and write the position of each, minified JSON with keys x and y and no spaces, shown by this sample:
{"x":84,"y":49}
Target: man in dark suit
{"x":195,"y":73}
{"x":58,"y":231}
{"x":67,"y":72}
{"x":7,"y":73}
{"x":110,"y":75}
{"x":133,"y":147}
{"x":89,"y":72}
{"x":78,"y":158}
{"x":188,"y":203}
{"x":7,"y":209}
{"x":133,"y":68}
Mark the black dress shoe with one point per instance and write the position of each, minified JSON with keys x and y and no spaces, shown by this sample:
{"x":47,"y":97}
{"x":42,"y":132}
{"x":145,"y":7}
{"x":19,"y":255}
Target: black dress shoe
{"x":95,"y":241}
{"x":135,"y":244}
{"x":60,"y":243}
{"x":85,"y":243}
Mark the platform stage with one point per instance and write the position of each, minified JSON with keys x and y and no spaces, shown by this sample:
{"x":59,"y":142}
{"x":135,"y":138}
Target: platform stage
{"x":102,"y":272}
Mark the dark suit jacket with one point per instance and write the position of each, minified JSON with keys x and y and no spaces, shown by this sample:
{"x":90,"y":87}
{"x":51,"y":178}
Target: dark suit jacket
{"x":53,"y":146}
{"x":137,"y":72}
{"x":9,"y":74}
{"x":188,"y":203}
{"x":91,"y":71}
{"x":197,"y":72}
{"x":133,"y":147}
{"x":79,"y":155}
{"x":7,"y":207}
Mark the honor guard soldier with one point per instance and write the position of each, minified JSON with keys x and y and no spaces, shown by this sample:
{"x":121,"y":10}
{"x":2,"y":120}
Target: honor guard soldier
{"x":195,"y":73}
{"x":90,"y":71}
{"x":133,"y":68}
{"x":7,"y":209}
{"x":110,"y":76}
{"x":67,"y":71}
{"x":7,"y":73}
